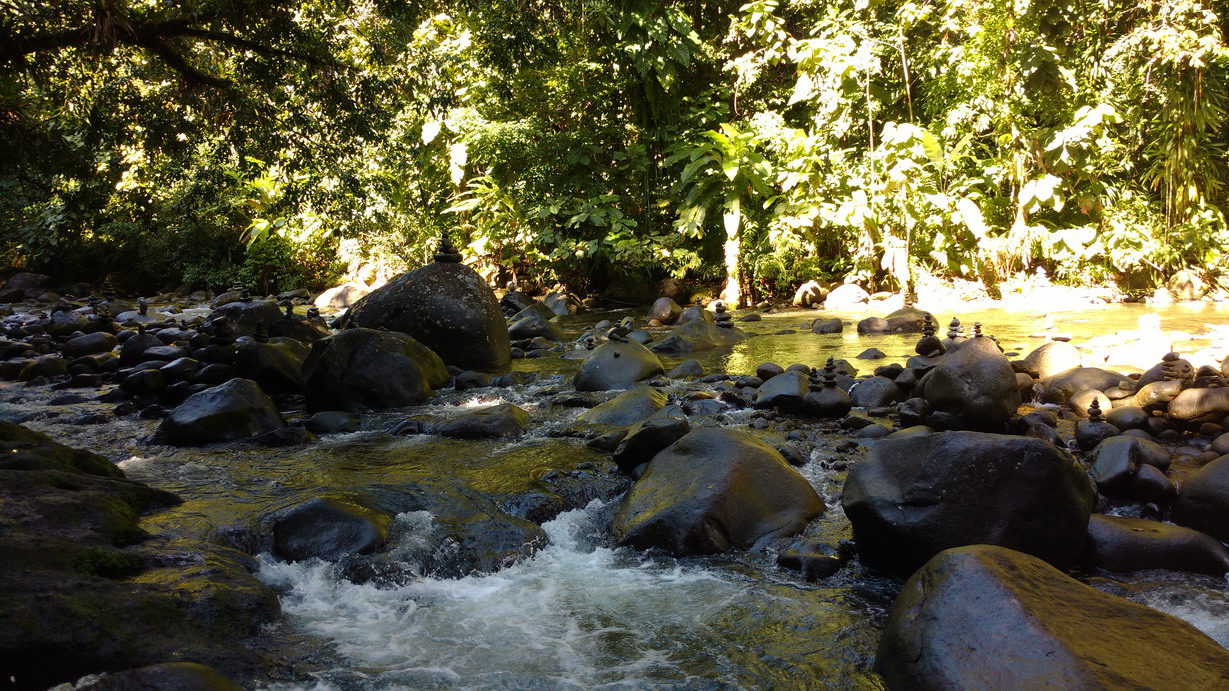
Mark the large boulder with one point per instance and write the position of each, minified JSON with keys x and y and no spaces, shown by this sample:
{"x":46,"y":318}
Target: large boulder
{"x":627,"y":408}
{"x":616,"y":365}
{"x":697,"y":335}
{"x":976,"y":384}
{"x":989,"y":618}
{"x":1200,"y":405}
{"x":277,"y":365}
{"x":714,"y":490}
{"x":361,"y":369}
{"x":1203,"y":500}
{"x":665,"y":310}
{"x":237,"y":409}
{"x":1125,"y":545}
{"x":245,"y":315}
{"x":915,"y":496}
{"x":1059,"y":388}
{"x":446,"y":307}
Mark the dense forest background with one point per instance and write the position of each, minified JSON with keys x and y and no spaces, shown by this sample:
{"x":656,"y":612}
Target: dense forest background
{"x":275,"y":142}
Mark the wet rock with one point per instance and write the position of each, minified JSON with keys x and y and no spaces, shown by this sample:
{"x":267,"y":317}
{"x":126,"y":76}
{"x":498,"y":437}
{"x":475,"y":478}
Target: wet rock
{"x":1203,"y":500}
{"x":502,"y":420}
{"x":698,"y":335}
{"x":1126,"y":545}
{"x":1155,"y":396}
{"x":665,"y":310}
{"x":361,"y":369}
{"x":1054,"y":357}
{"x":876,"y":392}
{"x":235,"y":410}
{"x":913,"y":497}
{"x":814,"y":560}
{"x":1127,"y":417}
{"x":784,"y":392}
{"x":514,"y":301}
{"x":616,"y":365}
{"x":645,"y":440}
{"x":46,"y":367}
{"x":627,"y":408}
{"x":988,"y":617}
{"x":872,"y":354}
{"x":535,"y":326}
{"x":328,"y":528}
{"x":908,"y":320}
{"x":976,"y":384}
{"x":182,"y":676}
{"x":280,"y":438}
{"x":1059,"y":388}
{"x":1151,"y":485}
{"x":689,"y":369}
{"x":332,"y":422}
{"x":695,"y":312}
{"x":97,"y":342}
{"x":277,"y":365}
{"x":448,"y":308}
{"x":715,"y":490}
{"x":827,"y":326}
{"x":1187,"y":285}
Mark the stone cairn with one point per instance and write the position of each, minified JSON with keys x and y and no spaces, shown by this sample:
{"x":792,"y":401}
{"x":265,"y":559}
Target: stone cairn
{"x":723,"y":318}
{"x":447,"y":254}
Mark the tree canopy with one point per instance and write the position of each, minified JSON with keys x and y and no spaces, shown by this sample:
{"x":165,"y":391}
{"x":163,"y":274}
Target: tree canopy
{"x":758,"y":144}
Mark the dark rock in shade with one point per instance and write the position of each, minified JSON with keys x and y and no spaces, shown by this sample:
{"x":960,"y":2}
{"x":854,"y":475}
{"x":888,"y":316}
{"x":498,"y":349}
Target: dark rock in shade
{"x":1089,"y":433}
{"x":913,"y":497}
{"x":1200,"y":405}
{"x":665,"y":310}
{"x":697,"y":335}
{"x":514,"y":301}
{"x":277,"y":365}
{"x":1054,"y":357}
{"x":333,"y":421}
{"x":244,"y":316}
{"x":471,"y":380}
{"x":144,"y":382}
{"x":1114,"y":462}
{"x":534,"y":309}
{"x":84,"y":590}
{"x":784,"y":392}
{"x":872,"y":354}
{"x":616,"y":365}
{"x":301,"y":330}
{"x":814,"y":560}
{"x":1125,"y":545}
{"x":1151,"y":485}
{"x":1127,"y":417}
{"x":329,"y":529}
{"x":646,"y":439}
{"x":361,"y":369}
{"x":827,"y":326}
{"x":235,"y":410}
{"x":990,"y":618}
{"x":712,"y":491}
{"x":65,"y":322}
{"x":502,"y":420}
{"x":768,"y":370}
{"x":627,"y":408}
{"x":876,"y":392}
{"x":976,"y":384}
{"x":286,"y":436}
{"x":47,"y":366}
{"x":688,"y":369}
{"x":180,"y":676}
{"x":97,"y":342}
{"x":534,"y":326}
{"x":1059,"y":388}
{"x":1203,"y":500}
{"x":448,"y":308}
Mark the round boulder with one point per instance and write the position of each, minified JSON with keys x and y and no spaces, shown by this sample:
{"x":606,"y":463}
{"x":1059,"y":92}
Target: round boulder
{"x":360,"y":369}
{"x":237,"y":409}
{"x":1203,"y":500}
{"x":616,"y":365}
{"x":976,"y":384}
{"x":715,"y":490}
{"x":446,"y":307}
{"x":328,"y":529}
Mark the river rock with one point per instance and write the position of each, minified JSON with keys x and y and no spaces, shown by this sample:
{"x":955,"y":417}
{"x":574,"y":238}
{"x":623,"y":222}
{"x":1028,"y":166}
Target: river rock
{"x":448,"y":308}
{"x":976,"y":384}
{"x":913,"y":497}
{"x":560,"y":304}
{"x":712,"y":491}
{"x":97,"y":342}
{"x":502,"y":420}
{"x":827,"y":326}
{"x":784,"y":392}
{"x":235,"y":410}
{"x":990,"y":618}
{"x":876,"y":392}
{"x":1127,"y":417}
{"x":245,"y":315}
{"x":697,"y":335}
{"x":1186,"y":285}
{"x":332,"y":422}
{"x":1155,"y":396}
{"x":65,"y":322}
{"x":627,"y":408}
{"x":665,"y":310}
{"x":535,"y":326}
{"x":1203,"y":500}
{"x":328,"y":528}
{"x":362,"y":369}
{"x":277,"y":365}
{"x":185,"y":676}
{"x":47,"y":366}
{"x":688,"y":369}
{"x":695,"y":312}
{"x":809,"y":294}
{"x":1126,"y":545}
{"x":535,"y":309}
{"x":646,"y":439}
{"x":616,"y":365}
{"x":133,"y":350}
{"x":1059,"y":388}
{"x":1200,"y":405}
{"x":908,"y":319}
{"x":342,"y":296}
{"x":1053,"y":358}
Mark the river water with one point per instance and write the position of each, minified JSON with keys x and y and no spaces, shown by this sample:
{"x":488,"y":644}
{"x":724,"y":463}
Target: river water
{"x":581,"y":613}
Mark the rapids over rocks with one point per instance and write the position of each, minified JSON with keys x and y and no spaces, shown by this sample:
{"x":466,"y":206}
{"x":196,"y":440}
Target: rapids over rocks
{"x":490,"y":562}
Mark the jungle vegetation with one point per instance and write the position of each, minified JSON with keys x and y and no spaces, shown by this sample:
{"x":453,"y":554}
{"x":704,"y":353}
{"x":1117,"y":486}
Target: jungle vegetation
{"x":765,"y":142}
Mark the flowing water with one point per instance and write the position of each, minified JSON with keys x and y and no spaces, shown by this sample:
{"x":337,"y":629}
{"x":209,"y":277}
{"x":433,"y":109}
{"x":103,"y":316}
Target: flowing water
{"x":581,"y":613}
